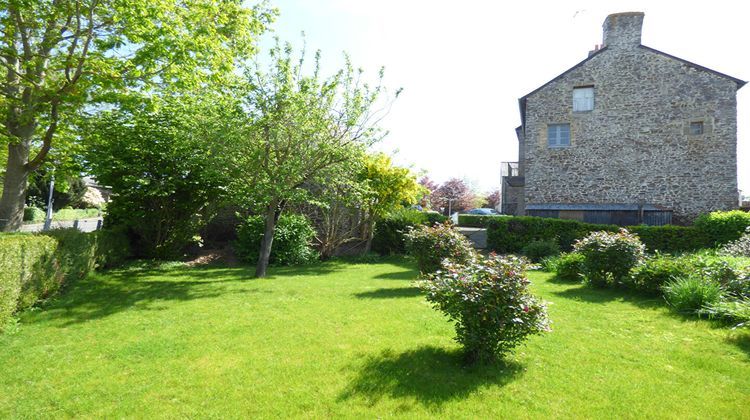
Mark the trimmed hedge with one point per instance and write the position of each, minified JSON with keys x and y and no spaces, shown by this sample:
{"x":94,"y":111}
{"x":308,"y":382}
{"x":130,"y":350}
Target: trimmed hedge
{"x":36,"y":266}
{"x":476,"y":220}
{"x":672,"y":239}
{"x":511,"y":234}
{"x":389,"y":233}
{"x":723,"y":226}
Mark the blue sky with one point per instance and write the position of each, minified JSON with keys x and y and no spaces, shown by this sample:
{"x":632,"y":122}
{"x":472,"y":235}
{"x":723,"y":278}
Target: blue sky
{"x":463,"y":65}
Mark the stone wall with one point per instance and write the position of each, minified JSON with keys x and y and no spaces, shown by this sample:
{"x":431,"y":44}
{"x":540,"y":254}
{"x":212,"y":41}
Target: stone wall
{"x":635,"y":146}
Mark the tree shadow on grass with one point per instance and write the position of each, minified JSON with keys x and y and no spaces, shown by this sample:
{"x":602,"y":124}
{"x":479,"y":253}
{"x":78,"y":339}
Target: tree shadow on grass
{"x":596,"y":295}
{"x":389,"y":293}
{"x":399,"y":275}
{"x":430,"y":375}
{"x":100,"y":296}
{"x":741,"y":340}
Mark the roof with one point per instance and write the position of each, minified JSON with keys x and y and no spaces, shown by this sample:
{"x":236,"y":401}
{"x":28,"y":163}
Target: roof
{"x":594,"y":207}
{"x":522,"y":100}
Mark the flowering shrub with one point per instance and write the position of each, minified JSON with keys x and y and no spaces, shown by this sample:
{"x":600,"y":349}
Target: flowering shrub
{"x":430,"y":245}
{"x":738,"y":248}
{"x":608,"y":257}
{"x":490,"y":304}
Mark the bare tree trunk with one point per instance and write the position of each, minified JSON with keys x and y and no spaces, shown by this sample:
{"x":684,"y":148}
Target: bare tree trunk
{"x":15,"y":186}
{"x":370,"y":235}
{"x":273,"y":211}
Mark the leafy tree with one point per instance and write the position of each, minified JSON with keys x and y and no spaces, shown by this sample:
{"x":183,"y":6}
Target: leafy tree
{"x":493,"y":199}
{"x":305,"y":130}
{"x":453,"y":195}
{"x":428,"y":186}
{"x":389,"y":187}
{"x":58,"y":56}
{"x":160,"y":163}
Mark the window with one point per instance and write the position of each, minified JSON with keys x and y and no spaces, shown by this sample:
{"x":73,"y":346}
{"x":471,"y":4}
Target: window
{"x":696,"y":128}
{"x":558,"y":135}
{"x":583,"y":99}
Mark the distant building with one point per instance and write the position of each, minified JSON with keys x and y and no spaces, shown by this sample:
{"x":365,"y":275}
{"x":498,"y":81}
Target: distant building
{"x":629,"y":135}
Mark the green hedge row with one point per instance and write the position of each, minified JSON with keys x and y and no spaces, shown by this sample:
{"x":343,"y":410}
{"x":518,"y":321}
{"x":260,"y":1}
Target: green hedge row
{"x":37,"y":266}
{"x":511,"y":234}
{"x":388,"y":237}
{"x":476,"y":220}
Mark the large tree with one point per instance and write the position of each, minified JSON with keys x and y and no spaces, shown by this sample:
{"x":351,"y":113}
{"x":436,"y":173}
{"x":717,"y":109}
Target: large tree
{"x":305,"y":130}
{"x":454,"y":195}
{"x":57,"y":55}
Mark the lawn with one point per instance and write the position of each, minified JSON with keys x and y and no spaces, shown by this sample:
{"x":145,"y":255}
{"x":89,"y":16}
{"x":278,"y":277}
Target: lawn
{"x":352,"y":340}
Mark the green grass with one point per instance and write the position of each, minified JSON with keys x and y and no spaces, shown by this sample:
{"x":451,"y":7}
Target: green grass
{"x":352,"y":340}
{"x":73,"y":214}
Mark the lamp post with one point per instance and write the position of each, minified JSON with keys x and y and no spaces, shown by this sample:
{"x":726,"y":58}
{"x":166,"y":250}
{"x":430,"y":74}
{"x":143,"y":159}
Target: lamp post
{"x":50,"y":200}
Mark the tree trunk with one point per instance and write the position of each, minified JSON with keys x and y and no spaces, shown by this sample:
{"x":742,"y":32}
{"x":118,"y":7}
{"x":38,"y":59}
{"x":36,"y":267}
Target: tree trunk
{"x":273,"y":211}
{"x":15,"y":186}
{"x":370,"y":235}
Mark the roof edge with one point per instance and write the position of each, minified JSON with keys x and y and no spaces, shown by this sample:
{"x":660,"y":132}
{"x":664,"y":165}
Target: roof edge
{"x":740,"y":83}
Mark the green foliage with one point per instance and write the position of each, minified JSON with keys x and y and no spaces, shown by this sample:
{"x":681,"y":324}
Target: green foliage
{"x":113,"y":247}
{"x":657,"y":271}
{"x":389,"y":233}
{"x":536,"y":251}
{"x":36,"y":266}
{"x":159,"y":162}
{"x":67,"y":56}
{"x":738,"y":248}
{"x":431,"y":245}
{"x":733,"y":311}
{"x":567,"y":267}
{"x":511,"y":234}
{"x":291,"y":243}
{"x":608,"y":257}
{"x":33,"y":214}
{"x":389,"y":187}
{"x":723,"y":226}
{"x":490,"y":303}
{"x":671,"y":239}
{"x":692,"y":293}
{"x":476,"y":220}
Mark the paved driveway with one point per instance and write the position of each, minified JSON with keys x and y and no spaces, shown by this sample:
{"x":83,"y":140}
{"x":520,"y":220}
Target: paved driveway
{"x":84,"y":225}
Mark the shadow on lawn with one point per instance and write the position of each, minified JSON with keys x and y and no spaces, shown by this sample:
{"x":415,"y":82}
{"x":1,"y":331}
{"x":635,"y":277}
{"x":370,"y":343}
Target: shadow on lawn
{"x":385,"y":293}
{"x":100,"y":296}
{"x":430,"y":375}
{"x":741,"y":340}
{"x":594,"y":295}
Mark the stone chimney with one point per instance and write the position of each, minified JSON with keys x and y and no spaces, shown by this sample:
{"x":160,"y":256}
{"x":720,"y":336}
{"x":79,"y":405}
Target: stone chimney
{"x":623,"y":30}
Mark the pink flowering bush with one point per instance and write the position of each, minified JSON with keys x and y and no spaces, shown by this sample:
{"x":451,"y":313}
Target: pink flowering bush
{"x":430,"y":245}
{"x":489,"y":301}
{"x":608,"y":257}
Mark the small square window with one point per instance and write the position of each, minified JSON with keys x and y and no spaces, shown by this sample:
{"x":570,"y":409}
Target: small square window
{"x":583,"y":99}
{"x":558,"y":135}
{"x":696,"y":128}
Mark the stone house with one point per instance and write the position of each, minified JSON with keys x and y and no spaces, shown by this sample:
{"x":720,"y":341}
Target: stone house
{"x":629,"y":135}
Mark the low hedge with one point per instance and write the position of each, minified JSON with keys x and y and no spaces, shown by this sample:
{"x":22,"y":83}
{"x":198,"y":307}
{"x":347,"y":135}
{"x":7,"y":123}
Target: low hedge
{"x":476,"y":220}
{"x":723,"y":227}
{"x":511,"y":234}
{"x":388,"y":238}
{"x":36,"y":266}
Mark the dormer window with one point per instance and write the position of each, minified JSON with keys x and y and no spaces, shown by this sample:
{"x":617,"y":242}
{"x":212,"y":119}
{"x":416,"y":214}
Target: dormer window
{"x":583,"y":99}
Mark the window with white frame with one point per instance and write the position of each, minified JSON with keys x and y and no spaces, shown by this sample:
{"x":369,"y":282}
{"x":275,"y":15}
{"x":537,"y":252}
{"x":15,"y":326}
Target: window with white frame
{"x":583,"y":99}
{"x":558,"y":135}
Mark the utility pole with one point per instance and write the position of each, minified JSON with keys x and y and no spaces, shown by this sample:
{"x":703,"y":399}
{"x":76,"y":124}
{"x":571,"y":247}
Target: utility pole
{"x":50,"y":200}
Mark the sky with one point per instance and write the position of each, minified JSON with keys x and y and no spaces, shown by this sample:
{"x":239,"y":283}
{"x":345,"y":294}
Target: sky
{"x":463,"y":65}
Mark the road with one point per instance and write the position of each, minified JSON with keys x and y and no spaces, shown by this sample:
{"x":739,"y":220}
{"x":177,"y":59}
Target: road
{"x":84,"y":225}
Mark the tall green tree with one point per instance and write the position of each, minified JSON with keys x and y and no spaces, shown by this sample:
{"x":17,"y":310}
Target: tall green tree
{"x":305,"y":130}
{"x":388,"y":187}
{"x":160,"y":161}
{"x":57,"y":55}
